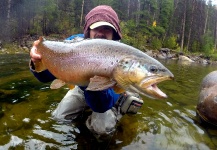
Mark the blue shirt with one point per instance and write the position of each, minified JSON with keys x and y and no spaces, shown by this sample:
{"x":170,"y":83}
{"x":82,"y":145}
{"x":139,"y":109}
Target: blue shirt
{"x":74,"y":36}
{"x":98,"y":101}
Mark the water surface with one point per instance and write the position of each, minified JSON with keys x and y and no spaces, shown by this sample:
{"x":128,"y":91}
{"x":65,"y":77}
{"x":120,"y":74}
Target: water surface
{"x":26,"y":106}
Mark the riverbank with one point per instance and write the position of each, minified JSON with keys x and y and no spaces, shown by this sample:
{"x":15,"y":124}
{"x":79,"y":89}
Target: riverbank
{"x":24,"y":45}
{"x":165,"y":53}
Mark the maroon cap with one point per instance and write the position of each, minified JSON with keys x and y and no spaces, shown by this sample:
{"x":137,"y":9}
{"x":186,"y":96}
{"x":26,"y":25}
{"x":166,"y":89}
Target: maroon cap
{"x":99,"y":14}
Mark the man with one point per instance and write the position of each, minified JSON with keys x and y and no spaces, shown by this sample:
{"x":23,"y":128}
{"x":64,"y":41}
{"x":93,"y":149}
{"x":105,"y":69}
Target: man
{"x":100,"y":22}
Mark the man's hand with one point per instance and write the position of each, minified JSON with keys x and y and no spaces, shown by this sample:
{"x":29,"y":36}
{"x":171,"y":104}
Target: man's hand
{"x":34,"y":56}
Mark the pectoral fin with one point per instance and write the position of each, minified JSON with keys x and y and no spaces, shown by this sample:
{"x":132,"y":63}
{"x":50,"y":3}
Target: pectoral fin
{"x":98,"y":83}
{"x":118,"y":89}
{"x":71,"y":86}
{"x":57,"y":83}
{"x":39,"y":66}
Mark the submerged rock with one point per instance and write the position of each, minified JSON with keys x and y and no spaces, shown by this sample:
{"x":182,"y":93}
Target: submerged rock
{"x":207,"y":103}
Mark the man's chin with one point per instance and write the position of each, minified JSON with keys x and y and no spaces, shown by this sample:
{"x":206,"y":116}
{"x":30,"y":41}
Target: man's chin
{"x":100,"y":37}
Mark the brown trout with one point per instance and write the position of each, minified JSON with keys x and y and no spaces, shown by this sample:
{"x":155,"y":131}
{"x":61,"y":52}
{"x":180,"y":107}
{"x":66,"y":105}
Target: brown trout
{"x":100,"y":64}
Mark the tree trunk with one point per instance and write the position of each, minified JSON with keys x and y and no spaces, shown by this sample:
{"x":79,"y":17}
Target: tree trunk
{"x":9,"y":11}
{"x":82,"y":13}
{"x":215,"y":36}
{"x":8,"y":14}
{"x":6,"y":32}
{"x":206,"y":19}
{"x":171,"y":19}
{"x":183,"y":27}
{"x":191,"y":23}
{"x":44,"y":24}
{"x":137,"y":15}
{"x":128,"y":9}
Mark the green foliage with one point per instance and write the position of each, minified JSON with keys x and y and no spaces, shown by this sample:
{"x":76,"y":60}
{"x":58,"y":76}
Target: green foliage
{"x":156,"y":44}
{"x":127,"y":34}
{"x":195,"y":46}
{"x":213,"y":56}
{"x":103,"y":2}
{"x":207,"y":44}
{"x":129,"y":28}
{"x":165,"y":13}
{"x":157,"y":31}
{"x":171,"y":42}
{"x":132,"y":37}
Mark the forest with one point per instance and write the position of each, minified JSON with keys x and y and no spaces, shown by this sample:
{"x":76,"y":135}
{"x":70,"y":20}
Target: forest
{"x":182,"y":25}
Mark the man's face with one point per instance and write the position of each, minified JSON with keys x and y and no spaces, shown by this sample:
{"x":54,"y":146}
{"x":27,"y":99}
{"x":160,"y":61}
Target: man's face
{"x":102,"y":32}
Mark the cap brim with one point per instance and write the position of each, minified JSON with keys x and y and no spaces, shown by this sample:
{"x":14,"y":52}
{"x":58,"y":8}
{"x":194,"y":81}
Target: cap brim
{"x":101,"y":23}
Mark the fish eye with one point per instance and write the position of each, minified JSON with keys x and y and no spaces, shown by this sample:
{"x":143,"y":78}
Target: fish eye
{"x":153,"y":69}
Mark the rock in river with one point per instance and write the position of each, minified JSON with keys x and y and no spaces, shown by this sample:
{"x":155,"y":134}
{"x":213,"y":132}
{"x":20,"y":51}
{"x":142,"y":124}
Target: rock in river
{"x":207,"y":104}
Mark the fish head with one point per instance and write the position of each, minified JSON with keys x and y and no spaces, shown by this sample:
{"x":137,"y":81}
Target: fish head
{"x":142,"y":76}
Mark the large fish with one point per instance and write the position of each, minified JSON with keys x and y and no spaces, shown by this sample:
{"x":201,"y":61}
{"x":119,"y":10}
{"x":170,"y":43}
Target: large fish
{"x":100,"y":64}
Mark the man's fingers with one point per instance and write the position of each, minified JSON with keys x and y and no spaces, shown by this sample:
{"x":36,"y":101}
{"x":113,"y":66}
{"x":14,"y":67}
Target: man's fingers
{"x":33,"y":54}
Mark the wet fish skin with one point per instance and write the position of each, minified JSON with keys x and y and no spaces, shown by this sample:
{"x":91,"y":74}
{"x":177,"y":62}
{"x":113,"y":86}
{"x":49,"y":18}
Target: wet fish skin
{"x":100,"y":64}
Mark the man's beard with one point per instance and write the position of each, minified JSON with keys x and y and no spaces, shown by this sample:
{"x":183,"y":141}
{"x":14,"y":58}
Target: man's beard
{"x":100,"y":37}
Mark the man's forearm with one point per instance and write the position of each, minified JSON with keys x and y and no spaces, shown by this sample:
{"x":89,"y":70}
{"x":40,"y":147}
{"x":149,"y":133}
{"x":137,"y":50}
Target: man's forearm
{"x":44,"y":76}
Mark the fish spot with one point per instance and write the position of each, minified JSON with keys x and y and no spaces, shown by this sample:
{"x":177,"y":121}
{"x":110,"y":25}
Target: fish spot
{"x":112,"y":63}
{"x":132,"y":73}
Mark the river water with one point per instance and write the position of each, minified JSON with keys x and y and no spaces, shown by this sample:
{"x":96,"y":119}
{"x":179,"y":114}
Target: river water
{"x":26,"y":106}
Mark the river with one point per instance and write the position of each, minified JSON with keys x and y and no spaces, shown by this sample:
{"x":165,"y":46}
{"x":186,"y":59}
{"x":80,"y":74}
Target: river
{"x":26,"y":106}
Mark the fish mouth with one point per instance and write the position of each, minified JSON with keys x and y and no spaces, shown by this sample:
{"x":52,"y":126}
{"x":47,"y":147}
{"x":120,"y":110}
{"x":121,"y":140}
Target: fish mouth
{"x":149,"y":87}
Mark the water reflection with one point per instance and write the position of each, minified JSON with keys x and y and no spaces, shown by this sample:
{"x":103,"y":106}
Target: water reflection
{"x":26,"y":106}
